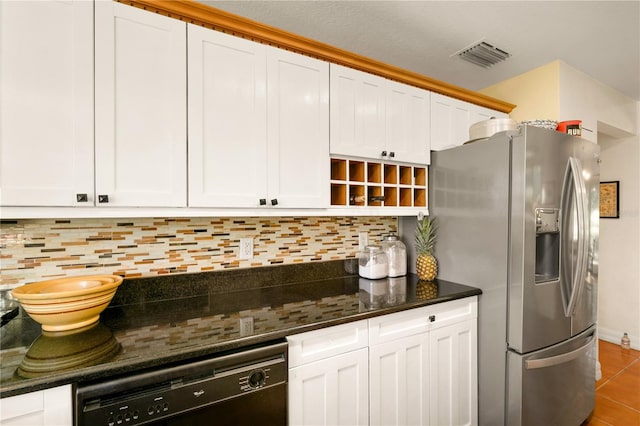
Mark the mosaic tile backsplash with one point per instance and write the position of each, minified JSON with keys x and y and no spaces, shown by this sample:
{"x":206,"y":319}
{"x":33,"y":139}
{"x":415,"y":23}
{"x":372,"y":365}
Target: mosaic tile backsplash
{"x":37,"y":249}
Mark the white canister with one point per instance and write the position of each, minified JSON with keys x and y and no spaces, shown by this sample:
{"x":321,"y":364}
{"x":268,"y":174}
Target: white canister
{"x":396,"y":255}
{"x":373,"y":263}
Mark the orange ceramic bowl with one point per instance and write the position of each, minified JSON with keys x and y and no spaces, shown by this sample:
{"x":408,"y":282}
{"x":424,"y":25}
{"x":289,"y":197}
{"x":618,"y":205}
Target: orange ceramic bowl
{"x":67,"y":303}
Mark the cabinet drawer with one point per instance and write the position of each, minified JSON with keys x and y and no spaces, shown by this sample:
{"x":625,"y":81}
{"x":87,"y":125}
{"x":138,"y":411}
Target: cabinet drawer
{"x":46,"y":407}
{"x":390,"y":327}
{"x":21,"y":405}
{"x":386,"y":328}
{"x":319,"y":344}
{"x":452,"y":312}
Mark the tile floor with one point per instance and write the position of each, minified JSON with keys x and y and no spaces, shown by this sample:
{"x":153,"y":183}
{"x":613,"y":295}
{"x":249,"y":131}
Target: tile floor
{"x":618,"y":391}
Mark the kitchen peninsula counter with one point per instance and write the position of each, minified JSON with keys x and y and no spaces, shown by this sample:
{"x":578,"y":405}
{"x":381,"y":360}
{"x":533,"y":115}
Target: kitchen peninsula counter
{"x":154,"y":322}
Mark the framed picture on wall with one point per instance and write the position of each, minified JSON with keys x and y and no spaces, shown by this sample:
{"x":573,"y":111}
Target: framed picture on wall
{"x":609,"y":199}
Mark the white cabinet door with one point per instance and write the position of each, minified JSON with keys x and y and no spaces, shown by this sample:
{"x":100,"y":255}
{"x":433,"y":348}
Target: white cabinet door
{"x":331,"y":391}
{"x":49,"y":407}
{"x":298,"y":130}
{"x":258,"y":125}
{"x":399,"y":381}
{"x":372,"y":117}
{"x":227,"y":120}
{"x":407,"y":111}
{"x":450,"y":120}
{"x":453,"y":374}
{"x":357,"y":113}
{"x":141,"y":132}
{"x":479,"y":113}
{"x":46,"y":103}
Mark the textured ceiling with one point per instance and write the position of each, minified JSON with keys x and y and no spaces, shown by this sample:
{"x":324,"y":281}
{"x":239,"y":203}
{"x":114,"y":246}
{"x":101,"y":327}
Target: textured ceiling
{"x":599,"y":38}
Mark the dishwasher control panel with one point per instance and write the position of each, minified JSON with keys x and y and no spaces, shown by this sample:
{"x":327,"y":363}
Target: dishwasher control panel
{"x":152,"y":396}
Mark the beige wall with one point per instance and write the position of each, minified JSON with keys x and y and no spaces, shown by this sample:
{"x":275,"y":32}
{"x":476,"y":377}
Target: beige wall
{"x":619,"y":272}
{"x":535,"y":93}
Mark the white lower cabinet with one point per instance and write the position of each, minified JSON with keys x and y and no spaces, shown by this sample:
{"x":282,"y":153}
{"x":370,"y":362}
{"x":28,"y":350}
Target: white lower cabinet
{"x":453,"y":385}
{"x":49,"y":407}
{"x":399,"y":381}
{"x":328,"y":376}
{"x":332,"y":391}
{"x":415,"y":367}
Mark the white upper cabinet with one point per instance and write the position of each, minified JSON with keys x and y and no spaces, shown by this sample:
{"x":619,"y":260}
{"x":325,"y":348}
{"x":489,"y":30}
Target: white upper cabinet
{"x":227,"y":120}
{"x":297,"y":130}
{"x":451,"y":119}
{"x":140,"y":108}
{"x":408,"y":123}
{"x":258,"y":125}
{"x":479,"y":113}
{"x":357,"y":112}
{"x":372,"y":117}
{"x":46,"y":103}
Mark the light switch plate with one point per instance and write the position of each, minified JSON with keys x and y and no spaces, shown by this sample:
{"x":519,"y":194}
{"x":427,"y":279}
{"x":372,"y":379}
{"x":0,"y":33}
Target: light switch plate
{"x":363,"y":240}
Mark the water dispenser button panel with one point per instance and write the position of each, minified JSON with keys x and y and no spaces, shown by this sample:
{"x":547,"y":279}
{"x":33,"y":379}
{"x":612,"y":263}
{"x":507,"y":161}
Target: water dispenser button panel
{"x":547,"y":221}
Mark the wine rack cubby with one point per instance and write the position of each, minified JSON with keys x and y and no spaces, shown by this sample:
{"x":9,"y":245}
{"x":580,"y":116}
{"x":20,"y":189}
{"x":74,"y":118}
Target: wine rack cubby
{"x":364,"y":183}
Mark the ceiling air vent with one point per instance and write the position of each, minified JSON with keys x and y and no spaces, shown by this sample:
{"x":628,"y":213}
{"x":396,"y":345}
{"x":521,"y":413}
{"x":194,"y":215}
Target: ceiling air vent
{"x":482,"y":54}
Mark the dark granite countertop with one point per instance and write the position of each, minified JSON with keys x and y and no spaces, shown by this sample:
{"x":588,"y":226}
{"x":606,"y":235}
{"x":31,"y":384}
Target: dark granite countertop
{"x":154,"y":322}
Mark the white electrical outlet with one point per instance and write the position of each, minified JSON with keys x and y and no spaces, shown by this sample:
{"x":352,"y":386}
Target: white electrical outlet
{"x":246,"y":248}
{"x":246,"y":326}
{"x":363,"y":240}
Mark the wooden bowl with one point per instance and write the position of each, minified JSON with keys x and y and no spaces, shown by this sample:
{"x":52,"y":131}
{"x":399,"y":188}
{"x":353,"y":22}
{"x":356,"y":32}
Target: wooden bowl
{"x":67,"y":303}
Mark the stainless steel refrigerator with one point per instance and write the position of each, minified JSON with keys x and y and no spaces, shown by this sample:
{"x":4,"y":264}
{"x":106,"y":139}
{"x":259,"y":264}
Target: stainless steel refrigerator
{"x":517,"y":216}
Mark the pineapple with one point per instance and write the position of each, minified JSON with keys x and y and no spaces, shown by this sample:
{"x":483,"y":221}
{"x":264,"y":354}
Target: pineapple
{"x":426,"y":265}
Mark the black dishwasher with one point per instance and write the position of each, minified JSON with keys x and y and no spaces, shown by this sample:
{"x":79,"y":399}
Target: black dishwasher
{"x":247,"y":387}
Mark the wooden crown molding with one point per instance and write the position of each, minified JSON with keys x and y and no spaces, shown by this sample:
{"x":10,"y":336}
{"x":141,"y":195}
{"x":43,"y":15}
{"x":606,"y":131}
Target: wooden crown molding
{"x":200,"y":14}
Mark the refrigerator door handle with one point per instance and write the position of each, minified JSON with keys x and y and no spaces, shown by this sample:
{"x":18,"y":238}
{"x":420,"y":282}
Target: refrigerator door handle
{"x":532,"y":364}
{"x":574,"y":190}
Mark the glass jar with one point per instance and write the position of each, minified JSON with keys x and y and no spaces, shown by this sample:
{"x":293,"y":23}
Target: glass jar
{"x":373,"y":263}
{"x":396,"y":255}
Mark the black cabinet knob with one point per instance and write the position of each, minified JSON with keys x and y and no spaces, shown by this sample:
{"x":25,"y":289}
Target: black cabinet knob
{"x":82,"y":198}
{"x":432,"y":318}
{"x":263,"y":201}
{"x":103,"y":199}
{"x":392,"y":154}
{"x":274,"y":202}
{"x":384,"y":153}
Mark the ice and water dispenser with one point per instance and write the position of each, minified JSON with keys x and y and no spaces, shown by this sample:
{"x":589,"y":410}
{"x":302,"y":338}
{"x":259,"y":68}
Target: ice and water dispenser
{"x":547,"y":245}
